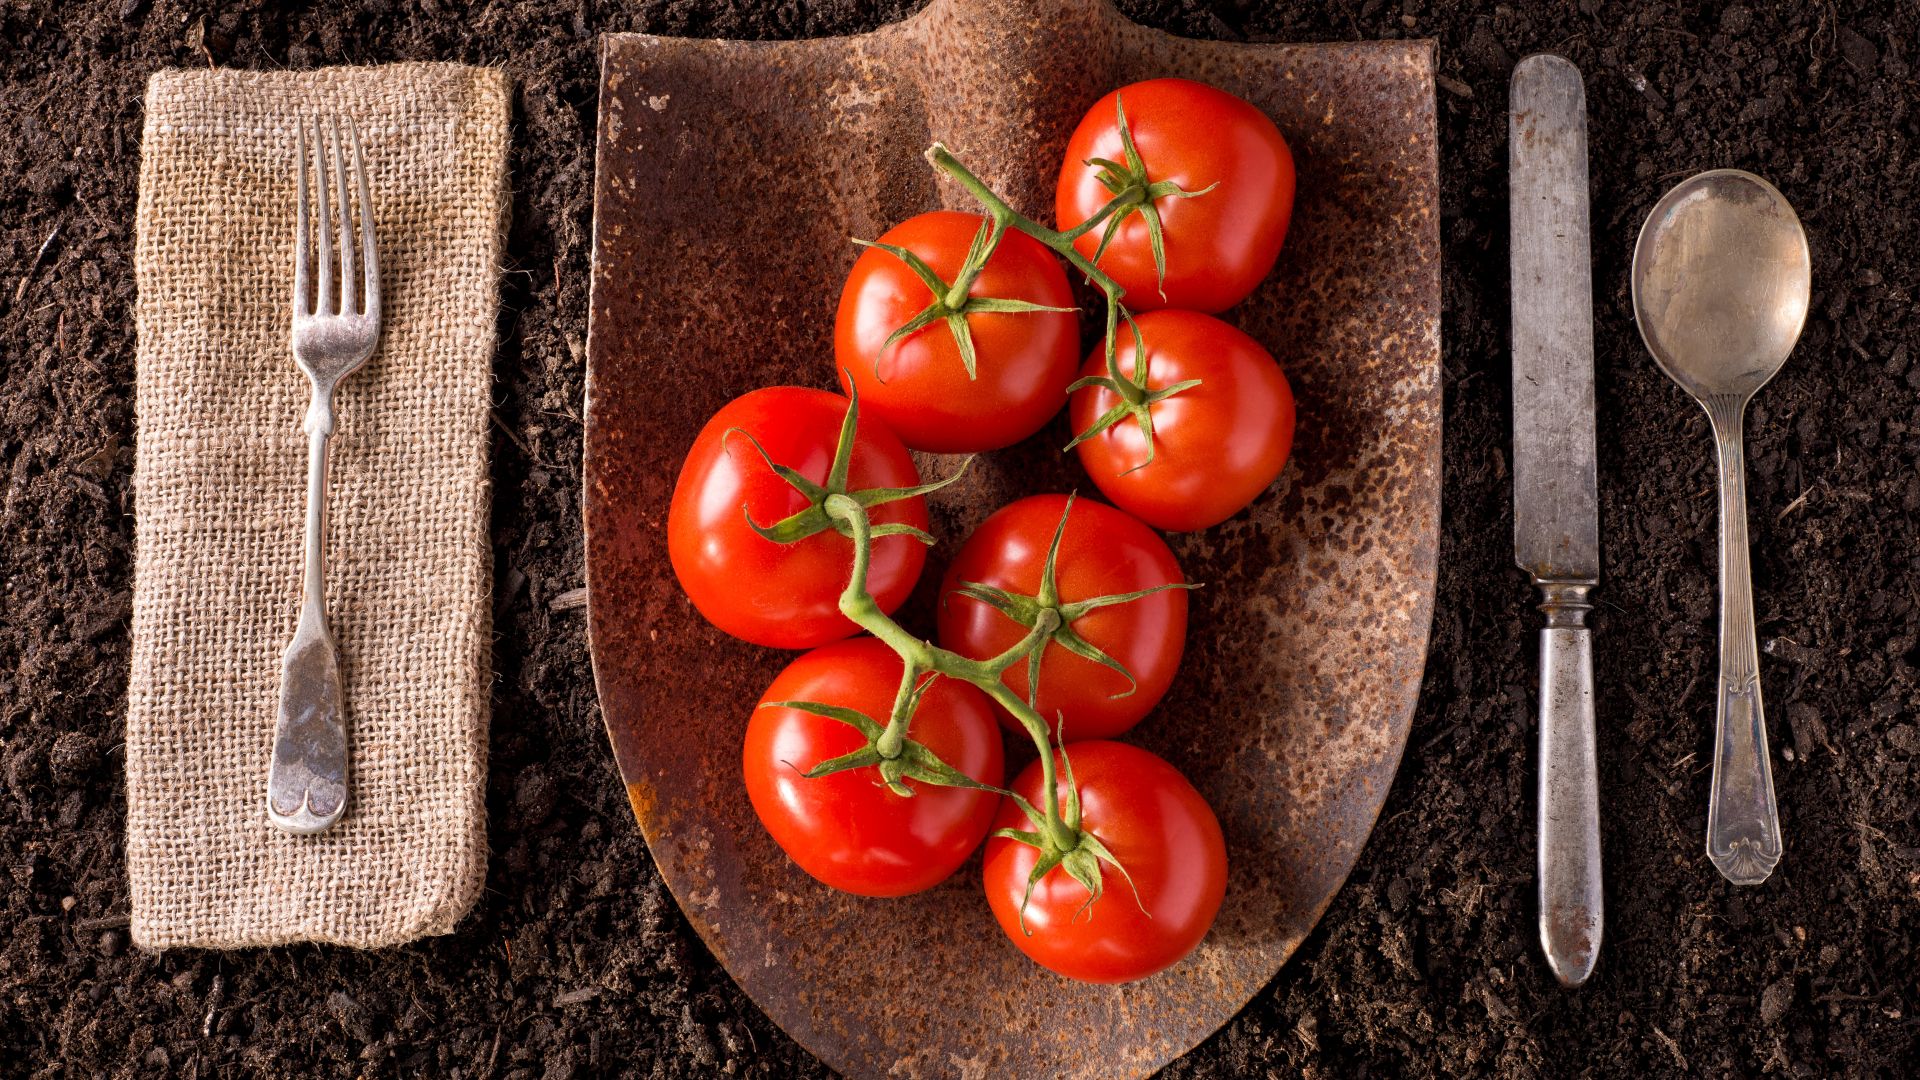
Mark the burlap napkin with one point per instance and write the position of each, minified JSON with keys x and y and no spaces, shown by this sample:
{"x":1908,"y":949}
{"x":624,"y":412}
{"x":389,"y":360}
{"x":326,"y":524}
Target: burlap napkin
{"x":220,"y":492}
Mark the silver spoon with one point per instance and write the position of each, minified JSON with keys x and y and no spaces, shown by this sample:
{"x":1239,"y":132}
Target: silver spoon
{"x":1721,"y":281}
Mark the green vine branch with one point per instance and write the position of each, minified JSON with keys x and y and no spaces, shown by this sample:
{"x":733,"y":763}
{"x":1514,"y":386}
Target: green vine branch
{"x":1056,"y":832}
{"x":1134,"y":192}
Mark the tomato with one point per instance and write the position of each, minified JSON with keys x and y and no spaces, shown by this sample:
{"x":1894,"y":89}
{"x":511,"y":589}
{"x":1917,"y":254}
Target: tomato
{"x":785,"y":595}
{"x":847,"y":829}
{"x":1216,"y":446}
{"x":1102,"y":553}
{"x":1159,"y":829}
{"x":1220,"y":244}
{"x":919,"y":385}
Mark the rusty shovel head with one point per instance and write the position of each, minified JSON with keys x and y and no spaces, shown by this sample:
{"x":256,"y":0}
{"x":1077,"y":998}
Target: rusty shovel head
{"x":1306,"y":647}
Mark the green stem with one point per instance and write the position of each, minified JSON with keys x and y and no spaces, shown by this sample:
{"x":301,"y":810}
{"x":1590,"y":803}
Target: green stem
{"x":920,"y":657}
{"x":1061,"y":243}
{"x":1061,"y":841}
{"x":1137,"y":399}
{"x":856,"y":603}
{"x":895,"y":736}
{"x":1057,"y":828}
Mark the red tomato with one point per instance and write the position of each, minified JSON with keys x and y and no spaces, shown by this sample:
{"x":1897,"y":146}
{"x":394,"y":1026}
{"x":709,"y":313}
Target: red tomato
{"x":919,"y":386}
{"x":1158,"y":827}
{"x":1220,"y":244}
{"x":847,"y":829}
{"x":1103,"y":553}
{"x":785,"y":595}
{"x":1216,"y":446}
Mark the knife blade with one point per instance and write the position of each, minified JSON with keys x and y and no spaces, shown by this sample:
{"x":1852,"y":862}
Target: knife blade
{"x":1556,"y":527}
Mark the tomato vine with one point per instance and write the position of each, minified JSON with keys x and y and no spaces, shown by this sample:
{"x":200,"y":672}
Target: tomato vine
{"x":1057,"y":834}
{"x":1134,"y":192}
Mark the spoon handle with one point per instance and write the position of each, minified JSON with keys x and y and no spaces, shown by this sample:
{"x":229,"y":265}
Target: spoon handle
{"x":1743,"y":821}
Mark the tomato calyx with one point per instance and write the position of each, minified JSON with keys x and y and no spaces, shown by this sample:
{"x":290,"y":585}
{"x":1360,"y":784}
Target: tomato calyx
{"x":1136,"y":400}
{"x":1045,"y":615}
{"x":1135,"y":193}
{"x":951,"y":302}
{"x":909,"y":761}
{"x":1063,"y":843}
{"x":814,"y":519}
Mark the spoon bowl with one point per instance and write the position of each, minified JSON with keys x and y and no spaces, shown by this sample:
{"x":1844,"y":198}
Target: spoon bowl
{"x":1721,"y":280}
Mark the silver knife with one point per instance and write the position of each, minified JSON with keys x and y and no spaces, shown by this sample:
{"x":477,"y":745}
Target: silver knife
{"x":1556,"y":528}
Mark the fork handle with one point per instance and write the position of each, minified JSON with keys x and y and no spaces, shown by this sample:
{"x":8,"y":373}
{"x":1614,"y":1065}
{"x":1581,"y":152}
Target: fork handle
{"x":307,"y":777}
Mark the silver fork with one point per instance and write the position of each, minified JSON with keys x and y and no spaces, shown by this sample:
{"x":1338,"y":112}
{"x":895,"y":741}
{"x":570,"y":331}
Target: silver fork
{"x":307,"y":778}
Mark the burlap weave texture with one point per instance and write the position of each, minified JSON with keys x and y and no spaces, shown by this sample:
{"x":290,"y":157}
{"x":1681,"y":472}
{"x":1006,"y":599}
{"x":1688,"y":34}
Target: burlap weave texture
{"x":220,"y":487}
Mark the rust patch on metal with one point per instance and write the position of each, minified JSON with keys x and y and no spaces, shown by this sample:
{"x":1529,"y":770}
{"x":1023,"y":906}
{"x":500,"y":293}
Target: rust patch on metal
{"x":1306,"y":648}
{"x":640,"y":796}
{"x":1575,"y":923}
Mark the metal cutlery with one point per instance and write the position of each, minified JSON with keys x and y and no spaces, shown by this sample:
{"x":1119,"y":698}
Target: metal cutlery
{"x":332,"y":336}
{"x":1556,"y":530}
{"x":1721,"y":283}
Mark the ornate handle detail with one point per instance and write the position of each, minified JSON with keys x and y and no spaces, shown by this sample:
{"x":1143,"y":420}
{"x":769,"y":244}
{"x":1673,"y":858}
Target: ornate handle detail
{"x":1569,"y":811}
{"x":307,"y":778}
{"x":1743,"y":821}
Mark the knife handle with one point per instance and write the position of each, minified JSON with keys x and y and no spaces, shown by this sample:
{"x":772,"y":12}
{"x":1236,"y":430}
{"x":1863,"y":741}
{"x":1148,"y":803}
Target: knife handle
{"x":1569,"y":821}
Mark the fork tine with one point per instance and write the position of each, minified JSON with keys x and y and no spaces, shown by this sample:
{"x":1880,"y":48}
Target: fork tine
{"x":336,"y":150}
{"x":323,"y":301}
{"x":300,"y":227}
{"x":369,"y":252}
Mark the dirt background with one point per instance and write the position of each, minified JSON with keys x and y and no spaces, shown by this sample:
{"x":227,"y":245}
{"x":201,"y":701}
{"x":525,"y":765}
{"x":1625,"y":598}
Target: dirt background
{"x":578,"y":963}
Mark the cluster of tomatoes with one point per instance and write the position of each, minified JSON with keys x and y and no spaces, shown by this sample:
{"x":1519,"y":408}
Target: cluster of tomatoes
{"x":799,"y":519}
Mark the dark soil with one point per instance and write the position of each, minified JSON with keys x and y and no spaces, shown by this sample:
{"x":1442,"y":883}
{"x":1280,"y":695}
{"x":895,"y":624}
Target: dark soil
{"x":577,"y":962}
